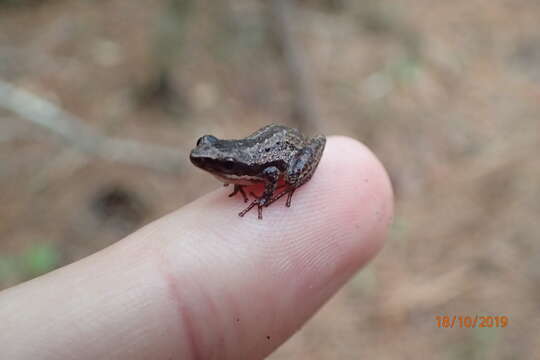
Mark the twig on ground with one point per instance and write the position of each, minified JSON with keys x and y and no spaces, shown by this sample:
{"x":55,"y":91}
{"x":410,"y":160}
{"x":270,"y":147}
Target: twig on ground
{"x":305,"y":106}
{"x":75,"y":132}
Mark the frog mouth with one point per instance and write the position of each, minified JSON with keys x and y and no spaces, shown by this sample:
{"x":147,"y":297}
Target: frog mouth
{"x":200,"y":160}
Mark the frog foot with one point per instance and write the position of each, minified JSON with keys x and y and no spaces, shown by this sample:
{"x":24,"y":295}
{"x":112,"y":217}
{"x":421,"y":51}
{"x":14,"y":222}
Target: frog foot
{"x":260,"y":202}
{"x":260,"y":205}
{"x":263,"y":201}
{"x":289,"y":192}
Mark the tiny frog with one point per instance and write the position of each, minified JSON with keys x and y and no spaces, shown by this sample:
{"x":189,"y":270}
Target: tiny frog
{"x":270,"y":154}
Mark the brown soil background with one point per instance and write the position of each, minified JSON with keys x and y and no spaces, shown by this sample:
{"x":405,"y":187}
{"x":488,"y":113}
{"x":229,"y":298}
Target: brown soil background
{"x":446,"y":93}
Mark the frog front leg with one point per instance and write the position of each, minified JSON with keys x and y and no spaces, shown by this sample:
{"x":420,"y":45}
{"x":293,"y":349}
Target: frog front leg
{"x":271,"y":177}
{"x":301,"y":168}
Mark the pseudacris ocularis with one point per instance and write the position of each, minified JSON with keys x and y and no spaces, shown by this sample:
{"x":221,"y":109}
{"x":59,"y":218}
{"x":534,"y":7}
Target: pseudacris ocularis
{"x":270,"y":154}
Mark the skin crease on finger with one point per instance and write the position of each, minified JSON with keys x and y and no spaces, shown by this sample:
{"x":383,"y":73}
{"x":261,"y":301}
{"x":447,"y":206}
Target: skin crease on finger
{"x":203,"y":283}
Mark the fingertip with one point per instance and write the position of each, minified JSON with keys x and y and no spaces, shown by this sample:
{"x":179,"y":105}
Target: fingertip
{"x":274,"y":273}
{"x":282,"y":269}
{"x":364,"y":186}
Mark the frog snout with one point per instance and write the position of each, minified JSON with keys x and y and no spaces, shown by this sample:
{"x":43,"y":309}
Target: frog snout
{"x":196,"y":159}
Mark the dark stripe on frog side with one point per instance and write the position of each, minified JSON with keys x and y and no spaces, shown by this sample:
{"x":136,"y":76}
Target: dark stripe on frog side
{"x":255,"y":169}
{"x":218,"y":168}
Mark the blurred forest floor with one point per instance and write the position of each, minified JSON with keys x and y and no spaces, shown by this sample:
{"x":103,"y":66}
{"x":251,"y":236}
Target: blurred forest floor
{"x":447,"y":94}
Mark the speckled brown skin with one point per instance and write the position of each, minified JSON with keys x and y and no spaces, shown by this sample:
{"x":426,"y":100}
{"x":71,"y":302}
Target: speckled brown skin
{"x":271,"y":153}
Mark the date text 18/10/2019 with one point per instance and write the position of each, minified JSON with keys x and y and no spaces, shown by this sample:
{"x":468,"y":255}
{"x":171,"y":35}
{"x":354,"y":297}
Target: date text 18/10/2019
{"x":476,"y":321}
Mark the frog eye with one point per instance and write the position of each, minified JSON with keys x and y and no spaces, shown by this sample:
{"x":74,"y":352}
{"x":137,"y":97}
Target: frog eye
{"x":206,"y":139}
{"x":229,"y":164}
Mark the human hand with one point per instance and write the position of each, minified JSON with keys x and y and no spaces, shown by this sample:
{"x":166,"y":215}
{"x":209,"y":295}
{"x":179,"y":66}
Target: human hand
{"x":203,"y":283}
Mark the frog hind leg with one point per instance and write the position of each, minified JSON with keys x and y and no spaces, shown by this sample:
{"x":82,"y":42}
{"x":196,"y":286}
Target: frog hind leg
{"x":238,"y":189}
{"x":302,"y":168}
